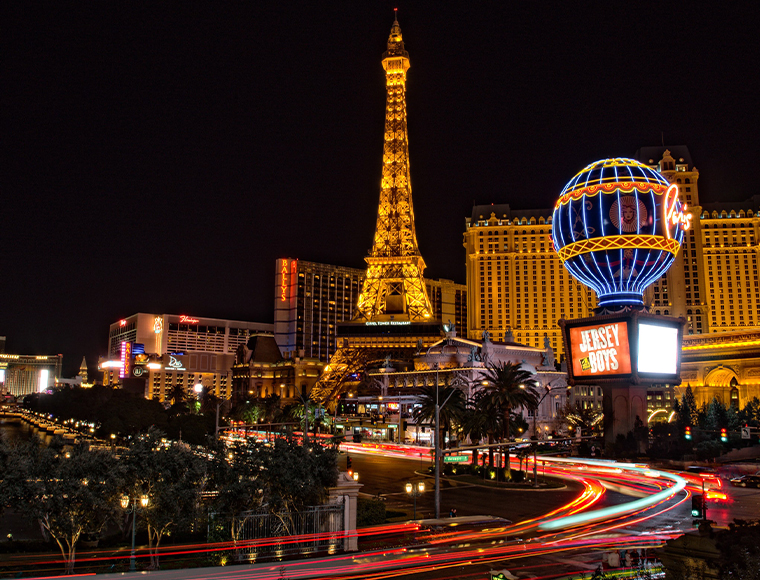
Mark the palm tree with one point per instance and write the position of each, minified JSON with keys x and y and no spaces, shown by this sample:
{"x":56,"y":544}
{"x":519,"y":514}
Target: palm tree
{"x":483,"y":420}
{"x":509,"y":387}
{"x":177,"y":394}
{"x":452,"y":412}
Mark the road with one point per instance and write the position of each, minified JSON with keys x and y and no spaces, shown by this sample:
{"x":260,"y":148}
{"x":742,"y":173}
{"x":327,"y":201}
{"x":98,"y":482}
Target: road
{"x":387,"y":476}
{"x":607,"y":507}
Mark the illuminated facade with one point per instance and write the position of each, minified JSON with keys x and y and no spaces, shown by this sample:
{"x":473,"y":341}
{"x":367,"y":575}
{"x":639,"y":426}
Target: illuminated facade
{"x":724,"y":365}
{"x":260,"y":370}
{"x":393,"y":286}
{"x":714,"y":281}
{"x":170,"y":349}
{"x":517,"y":289}
{"x":24,"y":374}
{"x":311,"y":299}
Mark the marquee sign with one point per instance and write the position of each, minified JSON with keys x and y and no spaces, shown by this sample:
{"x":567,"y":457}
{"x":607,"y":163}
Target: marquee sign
{"x":188,"y":319}
{"x":632,"y":346}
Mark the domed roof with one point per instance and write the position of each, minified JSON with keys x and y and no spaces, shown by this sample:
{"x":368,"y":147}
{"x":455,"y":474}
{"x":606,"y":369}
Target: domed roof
{"x":616,"y":171}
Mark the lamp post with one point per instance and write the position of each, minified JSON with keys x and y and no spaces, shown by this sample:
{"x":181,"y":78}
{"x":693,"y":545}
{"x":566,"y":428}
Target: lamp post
{"x":415,"y":492}
{"x":133,"y":510}
{"x":438,"y":446}
{"x":535,"y":445}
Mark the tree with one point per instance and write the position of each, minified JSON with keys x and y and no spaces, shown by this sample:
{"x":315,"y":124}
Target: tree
{"x":69,"y":494}
{"x":449,"y":414}
{"x":296,"y":476}
{"x":509,"y":387}
{"x":172,"y":477}
{"x":483,"y":419}
{"x":177,"y":394}
{"x":750,"y":414}
{"x":715,"y":416}
{"x":235,"y":473}
{"x":689,"y":411}
{"x":586,"y":420}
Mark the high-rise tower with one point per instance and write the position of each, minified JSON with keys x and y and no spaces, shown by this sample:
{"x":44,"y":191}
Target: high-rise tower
{"x":393,"y":315}
{"x":394,"y":287}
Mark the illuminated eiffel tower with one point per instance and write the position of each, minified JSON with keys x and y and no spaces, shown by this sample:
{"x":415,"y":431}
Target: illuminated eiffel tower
{"x":393,"y":314}
{"x":394,"y":286}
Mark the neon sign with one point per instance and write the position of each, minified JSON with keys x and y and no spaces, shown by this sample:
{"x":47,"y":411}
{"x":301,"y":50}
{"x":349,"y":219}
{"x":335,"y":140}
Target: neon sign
{"x":175,"y":364}
{"x":158,"y":324}
{"x":122,"y":322}
{"x":674,"y":215}
{"x":387,"y":322}
{"x":188,"y":319}
{"x":126,"y":358}
{"x":283,"y":279}
{"x":617,"y":227}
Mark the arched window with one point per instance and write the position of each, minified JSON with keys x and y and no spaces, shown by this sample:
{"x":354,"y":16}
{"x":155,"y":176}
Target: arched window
{"x":734,"y":393}
{"x":687,"y":180}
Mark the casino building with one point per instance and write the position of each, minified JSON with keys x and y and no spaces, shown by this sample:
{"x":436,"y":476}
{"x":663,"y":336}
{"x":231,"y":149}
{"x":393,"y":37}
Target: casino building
{"x":516,"y":281}
{"x":151,"y":353}
{"x":24,"y":374}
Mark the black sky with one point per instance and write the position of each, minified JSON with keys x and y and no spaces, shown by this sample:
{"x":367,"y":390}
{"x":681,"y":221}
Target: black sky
{"x":160,"y":157}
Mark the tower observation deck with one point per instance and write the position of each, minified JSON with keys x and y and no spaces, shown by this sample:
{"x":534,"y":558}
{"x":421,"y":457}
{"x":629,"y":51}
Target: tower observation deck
{"x":393,"y":313}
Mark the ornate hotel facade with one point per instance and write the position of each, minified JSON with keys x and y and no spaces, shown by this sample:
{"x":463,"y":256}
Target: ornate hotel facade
{"x":517,"y":286}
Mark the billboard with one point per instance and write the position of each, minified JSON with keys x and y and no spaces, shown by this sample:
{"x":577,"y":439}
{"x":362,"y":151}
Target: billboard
{"x":601,"y":350}
{"x":634,"y":347}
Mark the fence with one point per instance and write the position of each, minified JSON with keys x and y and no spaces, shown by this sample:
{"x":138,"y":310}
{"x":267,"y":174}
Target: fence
{"x":266,"y":536}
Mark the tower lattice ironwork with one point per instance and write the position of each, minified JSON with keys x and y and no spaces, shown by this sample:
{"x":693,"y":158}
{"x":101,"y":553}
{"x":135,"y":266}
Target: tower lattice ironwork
{"x":394,"y":285}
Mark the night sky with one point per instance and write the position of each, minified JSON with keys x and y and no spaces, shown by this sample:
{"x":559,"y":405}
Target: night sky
{"x":160,"y":160}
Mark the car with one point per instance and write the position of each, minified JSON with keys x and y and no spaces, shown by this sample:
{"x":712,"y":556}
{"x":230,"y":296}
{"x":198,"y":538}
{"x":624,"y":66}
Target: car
{"x":746,"y":481}
{"x":702,"y":477}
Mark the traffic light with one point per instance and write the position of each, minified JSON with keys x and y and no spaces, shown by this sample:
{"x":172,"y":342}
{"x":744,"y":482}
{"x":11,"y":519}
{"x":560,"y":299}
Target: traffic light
{"x":687,"y":434}
{"x":697,"y":505}
{"x":348,"y":462}
{"x":724,"y":434}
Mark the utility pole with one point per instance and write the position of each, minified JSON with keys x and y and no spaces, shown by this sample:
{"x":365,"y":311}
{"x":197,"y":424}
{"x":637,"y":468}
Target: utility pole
{"x":438,"y":445}
{"x":437,"y":450}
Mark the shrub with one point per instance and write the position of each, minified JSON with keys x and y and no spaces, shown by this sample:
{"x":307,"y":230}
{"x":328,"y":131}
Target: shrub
{"x":369,"y":512}
{"x":518,"y":476}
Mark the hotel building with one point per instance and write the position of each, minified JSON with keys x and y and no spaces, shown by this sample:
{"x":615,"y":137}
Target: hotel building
{"x":170,"y":349}
{"x":515,"y":281}
{"x":517,"y":288}
{"x":24,"y":374}
{"x":311,"y":299}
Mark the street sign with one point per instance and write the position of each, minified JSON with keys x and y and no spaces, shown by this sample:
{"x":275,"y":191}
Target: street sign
{"x":455,"y":458}
{"x":746,"y":433}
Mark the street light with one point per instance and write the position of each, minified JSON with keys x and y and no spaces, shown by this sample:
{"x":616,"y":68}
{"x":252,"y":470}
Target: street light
{"x":415,"y":492}
{"x":535,"y":445}
{"x":438,"y":446}
{"x":133,"y":510}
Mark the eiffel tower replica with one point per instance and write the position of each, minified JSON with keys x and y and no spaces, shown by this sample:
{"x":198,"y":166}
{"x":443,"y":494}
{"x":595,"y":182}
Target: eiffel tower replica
{"x":393,"y":315}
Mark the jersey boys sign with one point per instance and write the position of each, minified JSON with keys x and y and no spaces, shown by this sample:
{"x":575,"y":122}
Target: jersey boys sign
{"x":600,"y":350}
{"x":632,"y":347}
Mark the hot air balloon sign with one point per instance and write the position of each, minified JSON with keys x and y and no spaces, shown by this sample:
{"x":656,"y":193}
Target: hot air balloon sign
{"x":617,"y":227}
